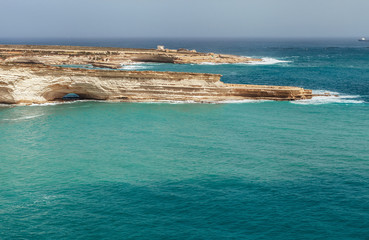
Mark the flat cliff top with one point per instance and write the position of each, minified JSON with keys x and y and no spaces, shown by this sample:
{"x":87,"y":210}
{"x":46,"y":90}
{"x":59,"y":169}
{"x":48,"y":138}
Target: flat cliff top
{"x":62,"y":48}
{"x":82,"y":55}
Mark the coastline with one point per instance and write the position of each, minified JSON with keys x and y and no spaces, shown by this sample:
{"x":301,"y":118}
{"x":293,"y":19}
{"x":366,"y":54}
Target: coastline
{"x":27,"y":76}
{"x":59,"y":55}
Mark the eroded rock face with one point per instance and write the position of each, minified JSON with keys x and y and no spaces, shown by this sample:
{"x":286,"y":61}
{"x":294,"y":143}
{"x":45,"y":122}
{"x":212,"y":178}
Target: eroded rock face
{"x":107,"y":65}
{"x":26,"y":84}
{"x":59,"y":55}
{"x":27,"y":77}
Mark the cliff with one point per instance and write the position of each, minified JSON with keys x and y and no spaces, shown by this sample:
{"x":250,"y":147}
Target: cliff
{"x":27,"y":83}
{"x":59,"y":55}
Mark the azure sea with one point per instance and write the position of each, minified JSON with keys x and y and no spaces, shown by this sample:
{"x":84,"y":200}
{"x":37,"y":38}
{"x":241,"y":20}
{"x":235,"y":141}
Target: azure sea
{"x":237,"y":170}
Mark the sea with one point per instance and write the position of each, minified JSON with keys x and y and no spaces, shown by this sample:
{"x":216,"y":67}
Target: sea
{"x":181,"y":170}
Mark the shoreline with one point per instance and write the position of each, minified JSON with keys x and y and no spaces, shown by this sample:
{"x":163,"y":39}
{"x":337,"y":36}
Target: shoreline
{"x":62,"y":55}
{"x":29,"y":75}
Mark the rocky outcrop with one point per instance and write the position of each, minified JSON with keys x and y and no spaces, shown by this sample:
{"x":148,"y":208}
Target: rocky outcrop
{"x":26,"y":76}
{"x":59,"y":55}
{"x":23,"y":60}
{"x":107,"y":65}
{"x":36,"y":83}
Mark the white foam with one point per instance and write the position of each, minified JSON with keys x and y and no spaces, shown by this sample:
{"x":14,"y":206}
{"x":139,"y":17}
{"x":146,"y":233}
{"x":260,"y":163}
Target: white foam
{"x":62,"y":103}
{"x":208,"y":102}
{"x":211,"y":63}
{"x":267,"y":61}
{"x":45,"y":104}
{"x":244,"y":101}
{"x":332,"y":97}
{"x":135,"y":66}
{"x":181,"y":102}
{"x":264,"y":61}
{"x":171,"y":102}
{"x":23,"y":118}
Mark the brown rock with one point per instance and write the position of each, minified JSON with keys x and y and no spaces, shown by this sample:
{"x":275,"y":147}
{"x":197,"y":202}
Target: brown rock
{"x":57,"y":55}
{"x":26,"y":84}
{"x":107,"y":65}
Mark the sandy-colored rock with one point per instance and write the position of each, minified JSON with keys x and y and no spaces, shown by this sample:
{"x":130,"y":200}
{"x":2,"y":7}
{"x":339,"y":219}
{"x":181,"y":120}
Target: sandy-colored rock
{"x":35,"y":83}
{"x":59,"y":55}
{"x":27,"y":76}
{"x":107,"y":65}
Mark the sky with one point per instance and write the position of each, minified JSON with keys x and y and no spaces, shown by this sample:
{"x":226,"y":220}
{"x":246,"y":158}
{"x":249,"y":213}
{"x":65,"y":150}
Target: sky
{"x":183,"y":18}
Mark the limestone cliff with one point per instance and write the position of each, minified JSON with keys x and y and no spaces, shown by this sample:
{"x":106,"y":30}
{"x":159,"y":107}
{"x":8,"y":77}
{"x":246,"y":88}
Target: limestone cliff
{"x":59,"y":55}
{"x":22,"y":83}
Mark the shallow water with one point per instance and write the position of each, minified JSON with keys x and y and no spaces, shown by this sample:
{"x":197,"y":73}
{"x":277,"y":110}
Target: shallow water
{"x":251,"y":170}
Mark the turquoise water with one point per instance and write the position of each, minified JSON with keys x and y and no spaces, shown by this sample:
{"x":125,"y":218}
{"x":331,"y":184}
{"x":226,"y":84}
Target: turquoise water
{"x":252,"y":170}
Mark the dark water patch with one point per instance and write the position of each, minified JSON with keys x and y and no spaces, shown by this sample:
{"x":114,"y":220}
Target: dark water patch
{"x":211,"y":207}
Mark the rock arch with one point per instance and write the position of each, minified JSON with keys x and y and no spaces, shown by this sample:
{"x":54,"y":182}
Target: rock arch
{"x":58,"y":91}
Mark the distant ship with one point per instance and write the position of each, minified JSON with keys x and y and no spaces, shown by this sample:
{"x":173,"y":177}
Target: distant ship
{"x":363,"y":40}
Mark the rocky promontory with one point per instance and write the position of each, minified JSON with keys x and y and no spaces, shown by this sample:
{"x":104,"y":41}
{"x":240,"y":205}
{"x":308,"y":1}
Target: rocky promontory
{"x":69,"y":55}
{"x":27,"y":76}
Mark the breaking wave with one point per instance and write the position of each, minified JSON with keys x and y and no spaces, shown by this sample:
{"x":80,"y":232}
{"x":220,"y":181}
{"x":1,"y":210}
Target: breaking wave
{"x":245,"y":101}
{"x":135,"y":66}
{"x":332,"y":97}
{"x":264,"y":61}
{"x":210,"y":63}
{"x":66,"y":102}
{"x":207,"y":102}
{"x":268,"y":61}
{"x":5,"y":105}
{"x":47,"y":104}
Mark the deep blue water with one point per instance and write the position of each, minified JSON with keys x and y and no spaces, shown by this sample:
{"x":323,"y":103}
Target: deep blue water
{"x":252,"y":170}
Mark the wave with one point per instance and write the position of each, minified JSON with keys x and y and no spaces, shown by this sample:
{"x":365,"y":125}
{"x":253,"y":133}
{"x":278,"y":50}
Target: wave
{"x":211,"y":63}
{"x":47,"y":104}
{"x":207,"y":102}
{"x":244,"y":101}
{"x":23,"y":118}
{"x":170,"y":102}
{"x":5,"y":105}
{"x":268,"y":61}
{"x":135,"y":66}
{"x":54,"y":103}
{"x":332,"y":97}
{"x":66,"y":102}
{"x":264,"y":61}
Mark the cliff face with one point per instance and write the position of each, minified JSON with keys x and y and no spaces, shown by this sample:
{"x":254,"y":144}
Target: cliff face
{"x":37,"y":83}
{"x":27,"y":77}
{"x":58,"y":55}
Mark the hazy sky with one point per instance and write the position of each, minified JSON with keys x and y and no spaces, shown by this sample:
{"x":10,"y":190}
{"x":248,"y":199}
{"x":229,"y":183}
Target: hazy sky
{"x":184,"y":18}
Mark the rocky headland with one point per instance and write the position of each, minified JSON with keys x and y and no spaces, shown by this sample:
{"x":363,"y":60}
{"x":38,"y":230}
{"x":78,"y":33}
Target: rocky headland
{"x":67,"y":55}
{"x":28,"y":75}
